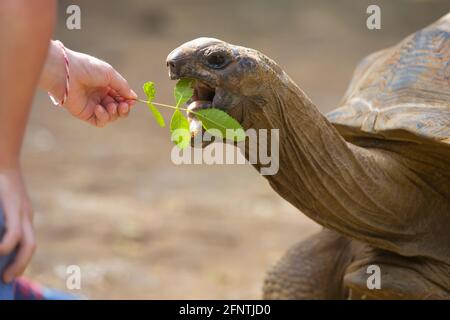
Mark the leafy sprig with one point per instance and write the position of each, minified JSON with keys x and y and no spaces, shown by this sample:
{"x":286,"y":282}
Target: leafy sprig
{"x":214,"y":121}
{"x":150,"y":92}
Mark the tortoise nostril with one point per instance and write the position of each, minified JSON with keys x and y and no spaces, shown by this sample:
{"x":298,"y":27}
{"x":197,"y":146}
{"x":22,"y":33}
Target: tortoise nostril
{"x":174,"y":67}
{"x":171,"y":64}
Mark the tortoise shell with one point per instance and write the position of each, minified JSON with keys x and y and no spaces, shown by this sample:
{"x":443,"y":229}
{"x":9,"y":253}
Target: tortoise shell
{"x":403,"y":92}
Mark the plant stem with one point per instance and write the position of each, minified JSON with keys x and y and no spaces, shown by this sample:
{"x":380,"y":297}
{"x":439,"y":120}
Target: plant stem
{"x":173,"y":107}
{"x":162,"y":105}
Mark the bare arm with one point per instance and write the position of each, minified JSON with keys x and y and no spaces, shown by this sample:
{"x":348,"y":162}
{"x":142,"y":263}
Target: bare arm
{"x":98,"y":95}
{"x":25,"y":27}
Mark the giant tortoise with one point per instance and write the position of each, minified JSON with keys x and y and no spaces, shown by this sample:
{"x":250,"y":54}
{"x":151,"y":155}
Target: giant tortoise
{"x":375,"y":172}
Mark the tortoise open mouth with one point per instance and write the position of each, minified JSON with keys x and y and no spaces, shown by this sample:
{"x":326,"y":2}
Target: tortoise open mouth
{"x":203,"y":98}
{"x":203,"y":91}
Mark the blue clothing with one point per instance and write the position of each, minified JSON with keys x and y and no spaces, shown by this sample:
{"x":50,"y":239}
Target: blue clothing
{"x":6,"y":290}
{"x":21,"y":288}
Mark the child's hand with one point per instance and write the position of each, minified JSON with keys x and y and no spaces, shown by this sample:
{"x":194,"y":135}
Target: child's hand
{"x":18,"y":217}
{"x":98,"y":94}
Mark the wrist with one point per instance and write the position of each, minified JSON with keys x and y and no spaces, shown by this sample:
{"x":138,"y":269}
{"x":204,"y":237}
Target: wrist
{"x":53,"y":78}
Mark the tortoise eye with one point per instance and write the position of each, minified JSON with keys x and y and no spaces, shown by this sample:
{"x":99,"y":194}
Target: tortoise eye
{"x":217,"y":60}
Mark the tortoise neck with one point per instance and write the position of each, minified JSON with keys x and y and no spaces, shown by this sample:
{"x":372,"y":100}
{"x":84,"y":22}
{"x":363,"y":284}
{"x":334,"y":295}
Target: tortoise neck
{"x":369,"y":194}
{"x":312,"y":154}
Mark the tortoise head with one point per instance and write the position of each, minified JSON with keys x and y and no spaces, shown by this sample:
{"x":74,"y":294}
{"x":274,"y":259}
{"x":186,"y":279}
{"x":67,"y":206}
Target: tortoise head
{"x":235,"y":79}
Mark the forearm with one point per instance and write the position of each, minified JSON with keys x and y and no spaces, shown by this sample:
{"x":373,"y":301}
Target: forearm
{"x":25,"y":30}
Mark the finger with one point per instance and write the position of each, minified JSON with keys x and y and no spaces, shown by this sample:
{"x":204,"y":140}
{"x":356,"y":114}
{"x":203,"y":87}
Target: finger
{"x":117,"y":98}
{"x":110,"y":104}
{"x":131,"y":102}
{"x":107,"y":99}
{"x":124,"y":109}
{"x":134,"y":95}
{"x":13,"y":230}
{"x":113,"y":93}
{"x":24,"y":255}
{"x":92,"y":120}
{"x":112,"y":110}
{"x":102,"y":116}
{"x":118,"y":83}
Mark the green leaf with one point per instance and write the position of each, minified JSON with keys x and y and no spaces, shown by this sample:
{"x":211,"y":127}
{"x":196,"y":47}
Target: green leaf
{"x":218,"y":120}
{"x":183,"y":91}
{"x":150,"y":92}
{"x":179,"y":127}
{"x":157,"y":115}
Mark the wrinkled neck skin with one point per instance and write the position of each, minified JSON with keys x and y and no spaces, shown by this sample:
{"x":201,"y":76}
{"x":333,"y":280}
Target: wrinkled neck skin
{"x":366,"y":194}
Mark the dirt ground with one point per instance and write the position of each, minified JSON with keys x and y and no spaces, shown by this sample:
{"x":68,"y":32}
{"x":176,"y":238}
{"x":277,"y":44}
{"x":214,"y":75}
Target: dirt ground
{"x":111,"y":201}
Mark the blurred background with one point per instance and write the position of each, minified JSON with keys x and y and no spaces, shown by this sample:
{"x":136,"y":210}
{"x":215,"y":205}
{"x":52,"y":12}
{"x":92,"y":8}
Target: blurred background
{"x":111,"y":201}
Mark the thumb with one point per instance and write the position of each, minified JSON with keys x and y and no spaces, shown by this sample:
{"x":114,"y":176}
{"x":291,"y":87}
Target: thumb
{"x":119,"y":84}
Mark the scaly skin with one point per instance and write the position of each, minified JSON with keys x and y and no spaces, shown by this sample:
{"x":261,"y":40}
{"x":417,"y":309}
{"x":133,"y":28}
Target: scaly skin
{"x":387,"y":201}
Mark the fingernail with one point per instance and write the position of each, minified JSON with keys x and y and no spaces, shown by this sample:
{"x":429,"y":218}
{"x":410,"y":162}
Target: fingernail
{"x":133,"y":94}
